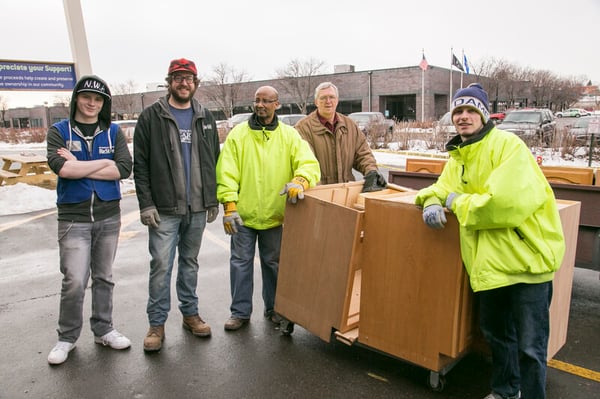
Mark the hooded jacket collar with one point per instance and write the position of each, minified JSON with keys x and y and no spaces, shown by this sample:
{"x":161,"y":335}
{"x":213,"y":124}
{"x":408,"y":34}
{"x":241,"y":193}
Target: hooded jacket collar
{"x":457,"y":142}
{"x":255,"y":124}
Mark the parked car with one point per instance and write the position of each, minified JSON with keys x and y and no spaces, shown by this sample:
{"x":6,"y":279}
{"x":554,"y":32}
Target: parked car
{"x":127,"y":127}
{"x":237,"y":119}
{"x":290,"y":119}
{"x":498,"y":116}
{"x":573,"y":112}
{"x":378,"y":129}
{"x":581,"y":131}
{"x":531,"y":124}
{"x":445,"y":126}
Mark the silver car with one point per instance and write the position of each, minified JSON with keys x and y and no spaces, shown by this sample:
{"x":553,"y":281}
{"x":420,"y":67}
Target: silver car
{"x":584,"y":127}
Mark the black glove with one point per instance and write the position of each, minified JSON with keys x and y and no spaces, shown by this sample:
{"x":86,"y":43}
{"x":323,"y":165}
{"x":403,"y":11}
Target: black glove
{"x":374,"y":181}
{"x":211,"y":214}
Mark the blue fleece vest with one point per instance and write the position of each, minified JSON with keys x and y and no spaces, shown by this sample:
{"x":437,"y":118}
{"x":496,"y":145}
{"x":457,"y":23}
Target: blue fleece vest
{"x":72,"y":191}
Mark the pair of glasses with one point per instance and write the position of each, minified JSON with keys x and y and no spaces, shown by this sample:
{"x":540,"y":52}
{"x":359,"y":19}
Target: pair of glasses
{"x":326,"y":98}
{"x":181,"y":78}
{"x":266,"y":102}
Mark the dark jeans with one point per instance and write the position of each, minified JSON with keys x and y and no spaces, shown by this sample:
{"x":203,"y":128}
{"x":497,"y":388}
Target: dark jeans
{"x":241,"y":266}
{"x":514,"y":321}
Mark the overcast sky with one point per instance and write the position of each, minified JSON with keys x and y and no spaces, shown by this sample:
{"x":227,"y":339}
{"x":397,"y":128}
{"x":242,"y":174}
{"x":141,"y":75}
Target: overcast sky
{"x":136,"y":39}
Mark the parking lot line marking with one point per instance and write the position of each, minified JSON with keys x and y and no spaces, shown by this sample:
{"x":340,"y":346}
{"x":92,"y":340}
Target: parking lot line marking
{"x":6,"y":226}
{"x":575,"y":370}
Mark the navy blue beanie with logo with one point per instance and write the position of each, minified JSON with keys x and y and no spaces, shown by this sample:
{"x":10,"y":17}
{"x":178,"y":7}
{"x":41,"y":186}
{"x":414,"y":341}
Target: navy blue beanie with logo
{"x":475,"y":97}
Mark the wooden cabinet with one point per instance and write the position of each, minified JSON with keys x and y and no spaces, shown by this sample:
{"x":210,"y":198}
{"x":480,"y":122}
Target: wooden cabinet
{"x":319,"y":269}
{"x":366,"y":267}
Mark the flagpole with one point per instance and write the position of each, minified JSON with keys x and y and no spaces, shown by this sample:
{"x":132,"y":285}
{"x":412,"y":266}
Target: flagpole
{"x":423,"y":93}
{"x":423,"y":65}
{"x":450,"y":96}
{"x":461,"y":72}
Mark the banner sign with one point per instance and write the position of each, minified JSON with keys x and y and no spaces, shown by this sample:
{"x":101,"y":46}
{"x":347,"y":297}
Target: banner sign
{"x":36,"y":76}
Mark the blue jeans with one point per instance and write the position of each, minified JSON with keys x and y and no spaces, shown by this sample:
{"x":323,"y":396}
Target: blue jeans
{"x":514,"y":321}
{"x":184,"y":233}
{"x":241,"y":267}
{"x":86,"y":248}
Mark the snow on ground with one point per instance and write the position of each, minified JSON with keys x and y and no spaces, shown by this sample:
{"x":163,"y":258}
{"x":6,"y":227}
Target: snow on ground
{"x":23,"y":198}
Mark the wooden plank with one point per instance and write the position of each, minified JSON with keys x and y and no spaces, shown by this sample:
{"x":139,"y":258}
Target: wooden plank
{"x":7,"y":174}
{"x":563,"y":279}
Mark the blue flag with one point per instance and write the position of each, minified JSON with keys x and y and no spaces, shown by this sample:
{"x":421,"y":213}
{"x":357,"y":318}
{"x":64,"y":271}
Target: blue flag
{"x":467,"y":69}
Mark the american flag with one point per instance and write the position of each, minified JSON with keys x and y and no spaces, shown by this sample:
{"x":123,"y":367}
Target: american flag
{"x":424,"y":65}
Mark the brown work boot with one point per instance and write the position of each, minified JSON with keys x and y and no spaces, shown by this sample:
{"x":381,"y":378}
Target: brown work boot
{"x":196,"y":325}
{"x":235,"y":323}
{"x":154,"y":338}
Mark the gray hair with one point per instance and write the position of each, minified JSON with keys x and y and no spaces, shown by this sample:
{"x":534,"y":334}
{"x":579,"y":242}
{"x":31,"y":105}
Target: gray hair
{"x":326,"y":85}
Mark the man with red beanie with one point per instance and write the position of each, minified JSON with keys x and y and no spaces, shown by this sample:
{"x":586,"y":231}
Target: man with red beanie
{"x":176,"y":147}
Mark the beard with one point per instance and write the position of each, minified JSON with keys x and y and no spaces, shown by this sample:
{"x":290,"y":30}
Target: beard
{"x":178,"y":98}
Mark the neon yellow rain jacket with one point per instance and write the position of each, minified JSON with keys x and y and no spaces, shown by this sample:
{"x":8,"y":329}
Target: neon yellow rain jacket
{"x":510,"y":229}
{"x":255,"y":164}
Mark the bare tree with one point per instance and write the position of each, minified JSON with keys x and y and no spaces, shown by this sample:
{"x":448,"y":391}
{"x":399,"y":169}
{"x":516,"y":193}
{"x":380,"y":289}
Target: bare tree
{"x":509,"y":83}
{"x":297,"y":80}
{"x":3,"y":109}
{"x":124,"y":100}
{"x":223,"y":88}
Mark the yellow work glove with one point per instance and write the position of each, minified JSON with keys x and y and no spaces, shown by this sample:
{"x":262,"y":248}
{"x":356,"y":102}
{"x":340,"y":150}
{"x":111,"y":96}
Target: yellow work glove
{"x":295,"y":189}
{"x":231,"y":219}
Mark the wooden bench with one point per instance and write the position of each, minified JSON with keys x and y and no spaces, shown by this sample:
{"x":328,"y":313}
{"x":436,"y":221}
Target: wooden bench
{"x":425,"y":165}
{"x":568,"y":175}
{"x":6,"y":175}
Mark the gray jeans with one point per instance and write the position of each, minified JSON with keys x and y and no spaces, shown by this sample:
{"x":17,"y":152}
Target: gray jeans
{"x":86,"y":248}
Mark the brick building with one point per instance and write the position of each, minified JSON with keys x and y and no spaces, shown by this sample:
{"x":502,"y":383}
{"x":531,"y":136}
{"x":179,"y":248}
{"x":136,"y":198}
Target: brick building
{"x":396,"y":92}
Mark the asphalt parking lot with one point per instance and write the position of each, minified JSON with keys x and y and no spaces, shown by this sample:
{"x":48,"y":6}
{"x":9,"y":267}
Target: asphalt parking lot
{"x":255,"y":362}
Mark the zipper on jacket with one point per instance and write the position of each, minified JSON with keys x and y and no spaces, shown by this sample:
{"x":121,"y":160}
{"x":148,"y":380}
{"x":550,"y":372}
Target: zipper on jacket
{"x":92,"y":206}
{"x":462,"y":175}
{"x":524,"y":239}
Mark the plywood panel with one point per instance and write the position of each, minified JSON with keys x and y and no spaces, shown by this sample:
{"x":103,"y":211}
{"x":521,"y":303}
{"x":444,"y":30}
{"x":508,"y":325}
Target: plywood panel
{"x":319,"y":246}
{"x":416,"y":302}
{"x":563,"y":279}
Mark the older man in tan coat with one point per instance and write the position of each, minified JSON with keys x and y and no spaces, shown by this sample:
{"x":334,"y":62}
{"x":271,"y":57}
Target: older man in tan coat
{"x":338,"y":143}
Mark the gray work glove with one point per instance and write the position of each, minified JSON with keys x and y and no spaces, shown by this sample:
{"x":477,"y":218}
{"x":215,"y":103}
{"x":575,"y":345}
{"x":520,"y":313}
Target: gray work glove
{"x":434,"y":217}
{"x":295,"y":189}
{"x":231,"y":218}
{"x":149,"y":217}
{"x":211,"y":214}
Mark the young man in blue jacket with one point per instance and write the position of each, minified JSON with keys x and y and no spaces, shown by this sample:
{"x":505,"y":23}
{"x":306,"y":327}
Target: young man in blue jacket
{"x":511,"y":240}
{"x":90,"y":156}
